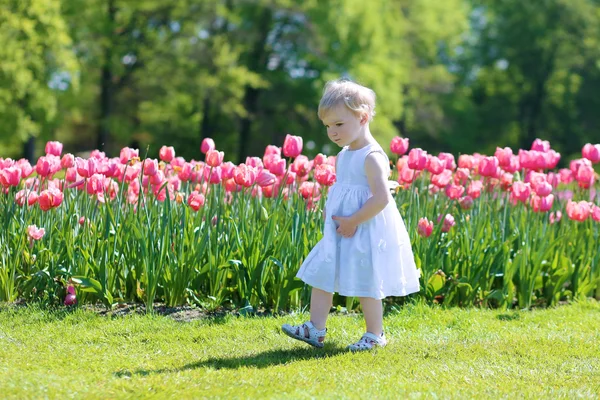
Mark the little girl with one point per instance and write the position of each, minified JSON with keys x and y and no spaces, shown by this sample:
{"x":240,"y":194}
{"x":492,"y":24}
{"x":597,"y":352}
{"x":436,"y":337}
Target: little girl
{"x":365,"y":250}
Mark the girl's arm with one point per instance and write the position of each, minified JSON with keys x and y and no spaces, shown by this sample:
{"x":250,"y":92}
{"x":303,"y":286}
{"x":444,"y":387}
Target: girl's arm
{"x":378,"y":182}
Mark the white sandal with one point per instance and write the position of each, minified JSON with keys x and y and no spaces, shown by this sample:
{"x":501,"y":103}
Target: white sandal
{"x":368,"y":341}
{"x":306,"y":333}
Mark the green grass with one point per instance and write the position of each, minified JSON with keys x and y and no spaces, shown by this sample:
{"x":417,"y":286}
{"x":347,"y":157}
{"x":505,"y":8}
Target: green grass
{"x":433,"y":353}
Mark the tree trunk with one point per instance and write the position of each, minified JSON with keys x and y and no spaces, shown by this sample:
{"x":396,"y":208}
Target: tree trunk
{"x":532,"y":104}
{"x":106,"y":84}
{"x":206,"y":126}
{"x":29,"y":149}
{"x":256,"y":63}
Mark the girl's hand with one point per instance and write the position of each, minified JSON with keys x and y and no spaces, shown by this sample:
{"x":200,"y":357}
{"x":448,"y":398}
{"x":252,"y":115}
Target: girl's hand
{"x":347,"y":227}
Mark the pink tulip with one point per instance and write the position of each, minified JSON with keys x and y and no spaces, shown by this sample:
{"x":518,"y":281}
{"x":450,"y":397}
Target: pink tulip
{"x":167,"y":154}
{"x":578,"y":211}
{"x":319,"y":159}
{"x":244,"y":175}
{"x":466,"y":202}
{"x":54,"y":148}
{"x":150,"y":167}
{"x":278,"y":167}
{"x":542,"y":188}
{"x":207,"y":144}
{"x":213,"y":175}
{"x":214,"y":158}
{"x":565,"y":176}
{"x":308,"y":189}
{"x":462,"y":176}
{"x":270,"y":159}
{"x":255,"y":162}
{"x":325,"y":174}
{"x":86,"y":168}
{"x":128,"y":154}
{"x":513,"y":165}
{"x":466,"y":161}
{"x":231,"y":186}
{"x":196,"y":200}
{"x":292,"y":146}
{"x":574,"y":165}
{"x":551,"y":159}
{"x":543,"y":204}
{"x":474,"y":189}
{"x":25,"y":167}
{"x":82,"y":221}
{"x":159,"y":177}
{"x":5,"y":163}
{"x":417,"y":159}
{"x":540,"y":145}
{"x":67,"y":161}
{"x":301,"y":166}
{"x":95,"y":184}
{"x":596,"y":213}
{"x":424,"y":227}
{"x":520,"y":191}
{"x":70,"y":298}
{"x":265,"y":178}
{"x":442,"y":180}
{"x":34,"y":233}
{"x":270,"y":149}
{"x":555,"y":217}
{"x":488,"y":166}
{"x":454,"y":192}
{"x":585,"y":176}
{"x":506,"y":180}
{"x":50,"y":198}
{"x":591,"y":152}
{"x":448,"y":222}
{"x":227,"y":170}
{"x":399,"y":145}
{"x":527,"y":159}
{"x":407,"y":175}
{"x":44,"y":166}
{"x":132,"y":173}
{"x":32,"y":197}
{"x":504,"y":155}
{"x":435,"y":165}
{"x":98,"y":155}
{"x":160,"y":192}
{"x":448,"y":160}
{"x":10,"y":176}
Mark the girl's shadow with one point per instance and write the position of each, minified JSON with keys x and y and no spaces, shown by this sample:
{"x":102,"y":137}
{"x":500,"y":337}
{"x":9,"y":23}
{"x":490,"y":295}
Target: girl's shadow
{"x":261,"y":360}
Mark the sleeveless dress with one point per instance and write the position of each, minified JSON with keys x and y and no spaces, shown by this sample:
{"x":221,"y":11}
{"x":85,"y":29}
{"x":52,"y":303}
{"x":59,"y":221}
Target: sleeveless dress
{"x":377,"y":261}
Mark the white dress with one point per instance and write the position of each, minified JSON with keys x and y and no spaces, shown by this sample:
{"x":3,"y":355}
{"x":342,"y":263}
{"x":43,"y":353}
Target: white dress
{"x":378,"y":260}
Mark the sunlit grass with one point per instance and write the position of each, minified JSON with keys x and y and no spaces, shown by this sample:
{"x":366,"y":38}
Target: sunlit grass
{"x":433,"y":353}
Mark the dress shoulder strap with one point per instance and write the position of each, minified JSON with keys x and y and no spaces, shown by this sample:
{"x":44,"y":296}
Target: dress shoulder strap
{"x":375,"y":148}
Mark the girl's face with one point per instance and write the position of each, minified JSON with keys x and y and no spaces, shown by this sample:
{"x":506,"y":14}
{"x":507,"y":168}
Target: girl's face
{"x":343,"y":126}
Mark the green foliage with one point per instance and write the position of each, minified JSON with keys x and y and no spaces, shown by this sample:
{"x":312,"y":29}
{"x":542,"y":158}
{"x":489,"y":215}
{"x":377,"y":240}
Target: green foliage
{"x":453,"y":75}
{"x":36,"y":60}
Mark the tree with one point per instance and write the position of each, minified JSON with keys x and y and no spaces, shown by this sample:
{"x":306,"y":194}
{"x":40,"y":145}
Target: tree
{"x":531,"y":61}
{"x":37,"y":63}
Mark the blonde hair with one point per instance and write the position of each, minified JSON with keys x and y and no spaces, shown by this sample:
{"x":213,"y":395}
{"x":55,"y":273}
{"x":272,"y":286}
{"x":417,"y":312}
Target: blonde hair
{"x":359,"y":99}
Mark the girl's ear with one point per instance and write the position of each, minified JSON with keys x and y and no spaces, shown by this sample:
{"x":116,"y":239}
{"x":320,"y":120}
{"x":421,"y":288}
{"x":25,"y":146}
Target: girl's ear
{"x":364,"y":118}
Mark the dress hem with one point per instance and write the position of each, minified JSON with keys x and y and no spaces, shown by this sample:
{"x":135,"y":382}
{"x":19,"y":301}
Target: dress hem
{"x":404,"y":292}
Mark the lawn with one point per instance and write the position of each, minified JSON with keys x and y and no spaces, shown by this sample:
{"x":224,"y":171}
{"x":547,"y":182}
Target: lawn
{"x":433,"y":353}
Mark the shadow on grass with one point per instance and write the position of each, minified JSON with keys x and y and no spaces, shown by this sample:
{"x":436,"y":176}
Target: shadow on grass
{"x":261,"y":360}
{"x":509,"y":317}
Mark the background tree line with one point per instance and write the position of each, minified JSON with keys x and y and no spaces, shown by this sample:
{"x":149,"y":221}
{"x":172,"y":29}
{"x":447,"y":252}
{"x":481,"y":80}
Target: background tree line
{"x":453,"y":75}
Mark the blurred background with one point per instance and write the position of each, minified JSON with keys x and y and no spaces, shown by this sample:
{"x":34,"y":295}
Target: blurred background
{"x":460,"y":76}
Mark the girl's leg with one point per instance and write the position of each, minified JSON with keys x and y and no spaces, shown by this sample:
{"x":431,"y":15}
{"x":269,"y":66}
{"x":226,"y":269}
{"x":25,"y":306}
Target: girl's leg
{"x":373,"y":312}
{"x":320,"y":304}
